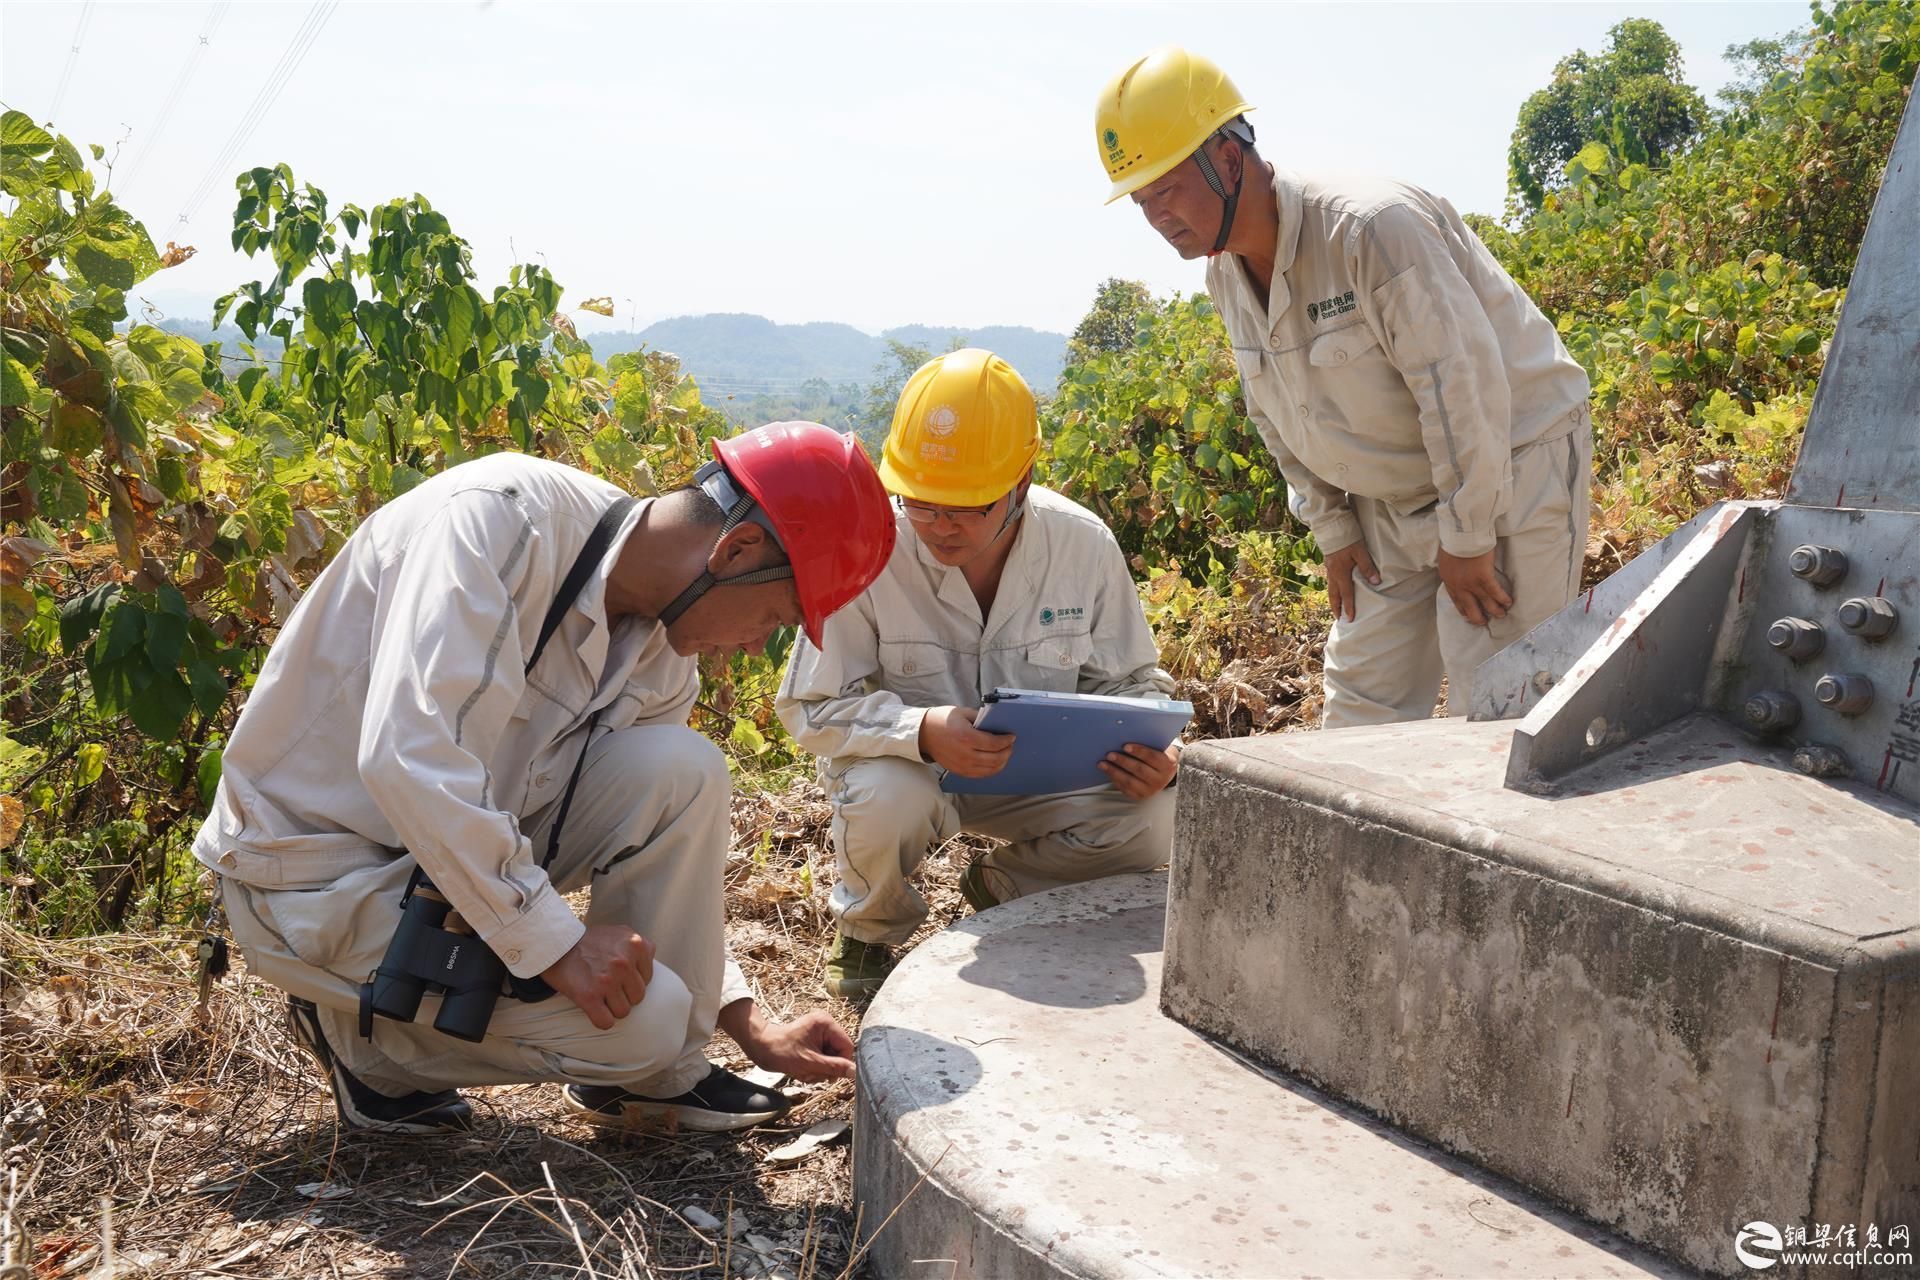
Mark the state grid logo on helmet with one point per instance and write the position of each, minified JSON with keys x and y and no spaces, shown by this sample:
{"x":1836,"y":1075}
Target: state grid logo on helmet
{"x":942,"y":421}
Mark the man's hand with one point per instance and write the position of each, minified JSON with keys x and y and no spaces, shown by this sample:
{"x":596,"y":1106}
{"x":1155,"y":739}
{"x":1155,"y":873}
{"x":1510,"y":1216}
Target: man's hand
{"x":606,"y":973}
{"x":1341,"y":565}
{"x":1139,"y":771}
{"x":948,"y":738}
{"x":810,"y":1047}
{"x":1474,"y":587}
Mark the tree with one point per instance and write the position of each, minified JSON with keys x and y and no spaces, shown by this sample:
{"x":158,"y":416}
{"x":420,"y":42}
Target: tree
{"x":889,"y":376}
{"x":1630,"y":96}
{"x":1758,"y":61}
{"x":1113,"y":321}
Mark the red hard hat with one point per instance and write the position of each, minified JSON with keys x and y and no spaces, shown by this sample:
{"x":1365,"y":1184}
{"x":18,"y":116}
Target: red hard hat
{"x":827,"y":506}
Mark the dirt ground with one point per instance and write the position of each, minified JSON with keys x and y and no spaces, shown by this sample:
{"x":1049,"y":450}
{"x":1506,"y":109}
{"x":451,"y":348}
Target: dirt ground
{"x":141,"y":1139}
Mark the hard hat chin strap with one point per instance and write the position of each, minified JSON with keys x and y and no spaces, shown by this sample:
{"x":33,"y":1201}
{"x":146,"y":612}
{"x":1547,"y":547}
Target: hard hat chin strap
{"x":738,"y":507}
{"x":1228,"y":201}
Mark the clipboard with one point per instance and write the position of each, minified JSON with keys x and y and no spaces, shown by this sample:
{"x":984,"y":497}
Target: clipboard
{"x":1062,"y":737}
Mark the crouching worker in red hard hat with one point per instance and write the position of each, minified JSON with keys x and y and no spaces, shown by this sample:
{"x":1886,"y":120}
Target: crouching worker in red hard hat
{"x":504,"y":652}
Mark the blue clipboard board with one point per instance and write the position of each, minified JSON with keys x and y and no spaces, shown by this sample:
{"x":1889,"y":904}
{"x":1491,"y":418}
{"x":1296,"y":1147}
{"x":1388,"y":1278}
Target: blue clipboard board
{"x":1062,"y":737}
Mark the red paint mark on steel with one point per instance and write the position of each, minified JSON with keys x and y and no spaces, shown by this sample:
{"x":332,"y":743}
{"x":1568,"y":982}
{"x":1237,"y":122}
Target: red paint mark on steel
{"x":1881,"y":589}
{"x":1880,"y":784}
{"x":1742,"y":593}
{"x":1841,"y":501}
{"x":1589,"y":608}
{"x":1779,"y":993}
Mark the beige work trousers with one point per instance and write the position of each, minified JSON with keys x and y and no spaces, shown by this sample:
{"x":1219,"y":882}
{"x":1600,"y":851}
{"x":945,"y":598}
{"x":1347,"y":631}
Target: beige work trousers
{"x":648,"y":831}
{"x":1386,"y":664}
{"x":887,"y":812}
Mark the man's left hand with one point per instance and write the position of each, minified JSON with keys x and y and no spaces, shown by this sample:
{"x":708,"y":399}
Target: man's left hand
{"x":1474,"y":587}
{"x":810,"y":1047}
{"x":1139,"y":772}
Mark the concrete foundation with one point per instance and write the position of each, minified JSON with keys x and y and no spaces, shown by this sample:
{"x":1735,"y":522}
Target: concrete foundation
{"x":1026,"y":1111}
{"x":1680,"y":996}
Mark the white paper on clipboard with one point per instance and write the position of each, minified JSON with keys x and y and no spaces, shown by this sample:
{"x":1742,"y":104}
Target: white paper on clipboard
{"x":1061,"y":738}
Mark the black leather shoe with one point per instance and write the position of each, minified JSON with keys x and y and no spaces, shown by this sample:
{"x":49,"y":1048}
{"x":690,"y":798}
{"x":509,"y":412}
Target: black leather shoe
{"x":719,"y":1103}
{"x":364,"y":1109}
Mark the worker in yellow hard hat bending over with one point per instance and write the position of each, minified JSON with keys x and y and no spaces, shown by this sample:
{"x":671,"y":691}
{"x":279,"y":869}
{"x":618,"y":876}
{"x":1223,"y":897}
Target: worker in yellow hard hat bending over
{"x":1431,"y":427}
{"x":993,"y":582}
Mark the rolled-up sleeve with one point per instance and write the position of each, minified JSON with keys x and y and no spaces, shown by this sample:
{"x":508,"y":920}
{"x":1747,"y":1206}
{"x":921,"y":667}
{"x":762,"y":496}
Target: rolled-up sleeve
{"x":1436,"y":333}
{"x":444,"y":679}
{"x":828,"y":701}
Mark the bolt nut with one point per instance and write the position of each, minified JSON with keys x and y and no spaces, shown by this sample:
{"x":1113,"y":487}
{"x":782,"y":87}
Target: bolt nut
{"x":1869,"y":617}
{"x":1849,"y":693}
{"x":1772,"y":711}
{"x":1797,"y":638}
{"x":1817,"y":760}
{"x":1822,"y":566}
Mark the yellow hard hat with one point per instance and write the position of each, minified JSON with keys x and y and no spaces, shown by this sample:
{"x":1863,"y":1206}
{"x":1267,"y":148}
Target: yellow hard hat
{"x":964,"y":433}
{"x":1157,"y":112}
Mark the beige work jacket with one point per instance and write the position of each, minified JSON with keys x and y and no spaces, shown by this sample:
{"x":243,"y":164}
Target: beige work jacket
{"x":1395,"y":359}
{"x":1066,"y":619}
{"x":392,"y":712}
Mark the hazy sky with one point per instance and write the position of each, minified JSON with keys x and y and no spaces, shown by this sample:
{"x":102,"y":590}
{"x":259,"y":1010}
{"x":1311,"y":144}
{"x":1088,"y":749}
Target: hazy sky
{"x":873,"y":164}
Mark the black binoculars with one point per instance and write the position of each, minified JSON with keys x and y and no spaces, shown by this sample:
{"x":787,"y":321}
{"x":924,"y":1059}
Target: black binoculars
{"x":434,"y":949}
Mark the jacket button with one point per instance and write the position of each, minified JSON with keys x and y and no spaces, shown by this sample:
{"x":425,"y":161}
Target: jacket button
{"x":1065,"y":656}
{"x":907,"y":666}
{"x":542,"y":780}
{"x":511,"y":957}
{"x":1274,"y":343}
{"x":1339,"y":357}
{"x":1341,"y":467}
{"x":1303,"y":411}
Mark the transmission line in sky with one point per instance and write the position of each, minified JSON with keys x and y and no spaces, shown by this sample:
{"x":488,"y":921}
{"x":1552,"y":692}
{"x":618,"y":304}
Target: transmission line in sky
{"x":215,"y":15}
{"x":283,"y":71}
{"x":73,"y":56}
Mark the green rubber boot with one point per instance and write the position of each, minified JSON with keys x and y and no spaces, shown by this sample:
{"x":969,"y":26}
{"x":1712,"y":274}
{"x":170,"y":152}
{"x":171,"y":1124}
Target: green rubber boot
{"x":973,"y":887}
{"x":855,"y":969}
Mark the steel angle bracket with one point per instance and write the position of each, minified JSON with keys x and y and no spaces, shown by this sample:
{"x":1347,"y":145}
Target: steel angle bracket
{"x":1512,"y":682}
{"x":1651,"y":664}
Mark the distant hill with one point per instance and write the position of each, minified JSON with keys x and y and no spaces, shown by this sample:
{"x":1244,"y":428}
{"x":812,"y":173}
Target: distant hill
{"x":748,"y":356}
{"x":738,"y":354}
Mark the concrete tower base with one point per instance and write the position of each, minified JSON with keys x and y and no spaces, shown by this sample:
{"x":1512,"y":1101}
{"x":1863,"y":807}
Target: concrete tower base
{"x":1026,"y":1110}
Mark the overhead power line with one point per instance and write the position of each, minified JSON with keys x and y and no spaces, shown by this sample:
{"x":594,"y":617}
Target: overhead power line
{"x":283,"y":71}
{"x":73,"y":56}
{"x":201,"y":44}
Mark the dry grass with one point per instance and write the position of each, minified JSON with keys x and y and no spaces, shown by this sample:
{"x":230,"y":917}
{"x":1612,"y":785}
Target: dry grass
{"x":144,"y":1139}
{"x":147,"y":1141}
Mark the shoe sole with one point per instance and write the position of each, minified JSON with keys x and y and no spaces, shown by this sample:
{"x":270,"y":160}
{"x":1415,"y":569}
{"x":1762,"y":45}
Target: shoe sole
{"x":308,"y":1036}
{"x":650,"y":1115}
{"x":855,"y":989}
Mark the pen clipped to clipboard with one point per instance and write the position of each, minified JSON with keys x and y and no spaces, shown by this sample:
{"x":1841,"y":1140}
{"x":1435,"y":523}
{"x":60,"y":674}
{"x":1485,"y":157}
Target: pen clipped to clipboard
{"x":1061,"y":738}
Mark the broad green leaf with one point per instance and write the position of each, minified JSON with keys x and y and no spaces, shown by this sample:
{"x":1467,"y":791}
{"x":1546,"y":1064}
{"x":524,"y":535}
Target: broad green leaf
{"x":207,"y":775}
{"x":16,"y":383}
{"x":89,"y":763}
{"x":160,"y":706}
{"x":80,"y":616}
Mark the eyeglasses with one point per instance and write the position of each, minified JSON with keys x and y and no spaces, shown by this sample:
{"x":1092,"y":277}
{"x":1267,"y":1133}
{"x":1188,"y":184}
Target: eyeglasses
{"x":926,"y":513}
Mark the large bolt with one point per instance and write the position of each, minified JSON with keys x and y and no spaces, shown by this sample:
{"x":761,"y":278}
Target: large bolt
{"x":1818,"y":760}
{"x":1849,"y":693}
{"x":1797,"y":638}
{"x":1822,"y":566}
{"x":1772,"y":710}
{"x":1869,"y":617}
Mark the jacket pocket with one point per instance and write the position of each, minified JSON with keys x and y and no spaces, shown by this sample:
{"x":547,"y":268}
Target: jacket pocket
{"x":922,"y":673}
{"x":1053,"y":665}
{"x":1342,"y":348}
